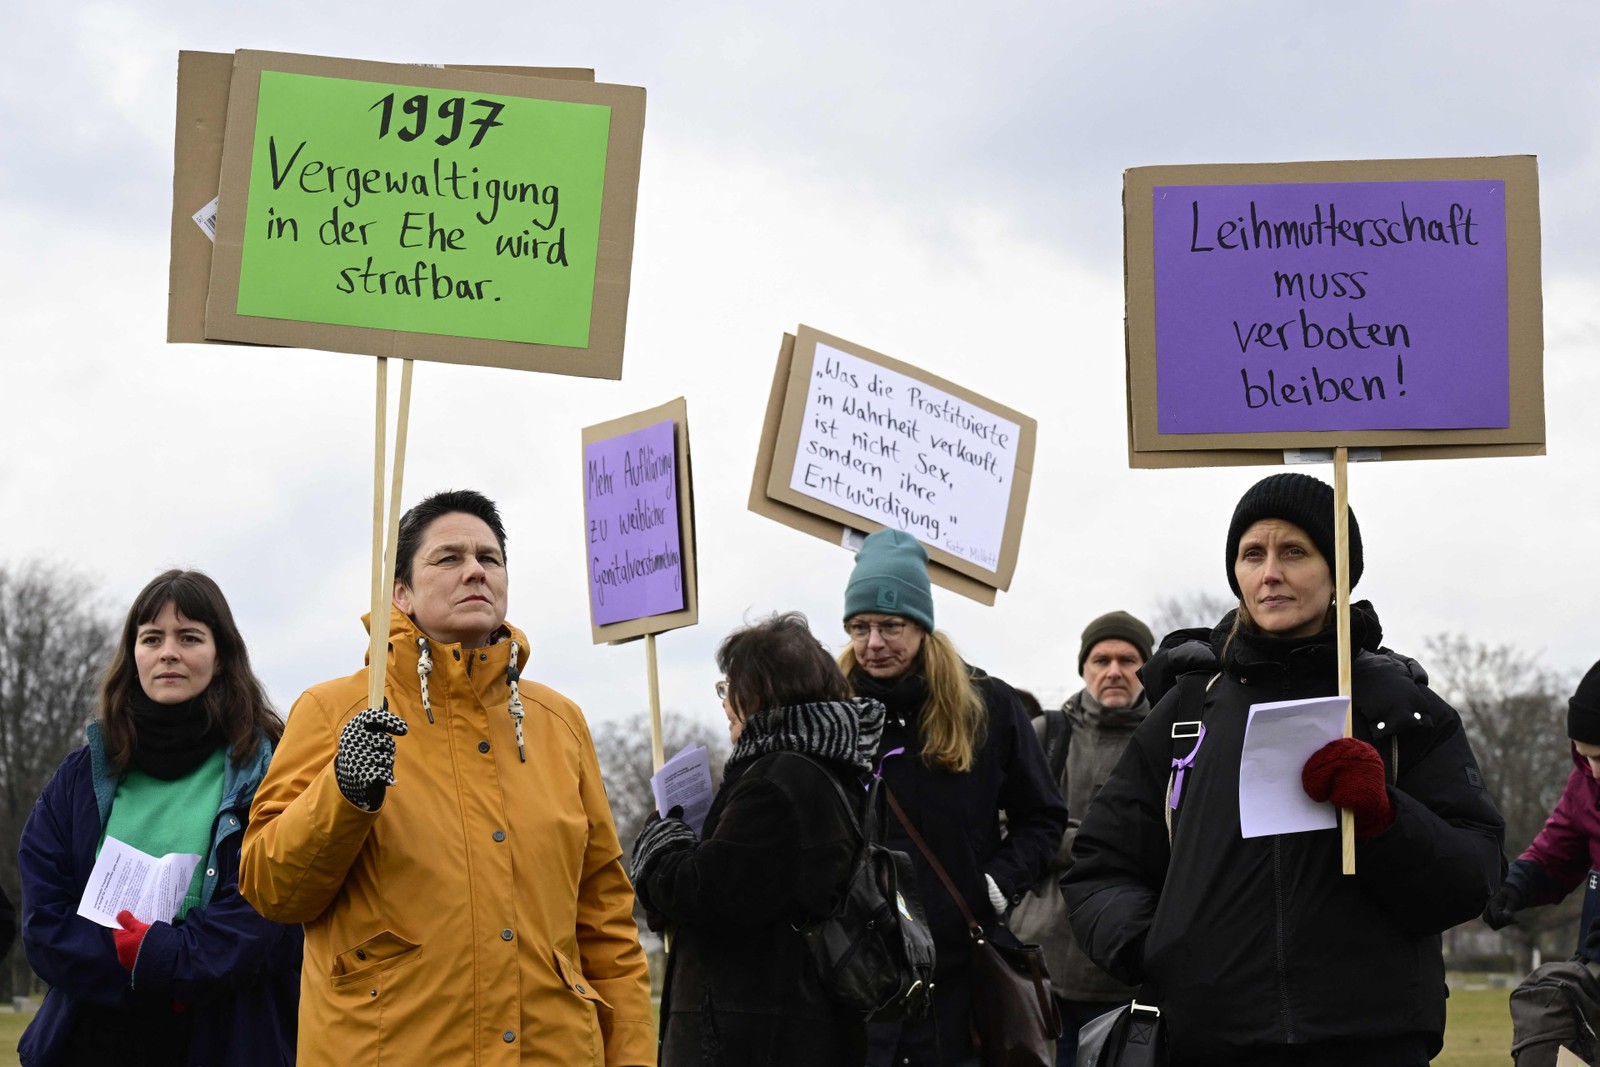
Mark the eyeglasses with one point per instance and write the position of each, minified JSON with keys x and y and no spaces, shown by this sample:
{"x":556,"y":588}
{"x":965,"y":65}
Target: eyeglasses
{"x":722,"y":689}
{"x":889,"y":631}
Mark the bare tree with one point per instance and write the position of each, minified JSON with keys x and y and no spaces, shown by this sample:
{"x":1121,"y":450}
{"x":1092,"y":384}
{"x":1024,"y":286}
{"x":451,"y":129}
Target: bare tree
{"x":1193,"y":608}
{"x":55,"y":643}
{"x":623,"y":746}
{"x":1514,"y":709}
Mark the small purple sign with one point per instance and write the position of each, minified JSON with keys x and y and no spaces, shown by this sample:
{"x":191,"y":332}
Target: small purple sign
{"x":1331,"y":306}
{"x":630,"y":508}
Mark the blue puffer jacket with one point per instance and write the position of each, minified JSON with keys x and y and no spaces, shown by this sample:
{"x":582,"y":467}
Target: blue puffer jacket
{"x":238,"y":973}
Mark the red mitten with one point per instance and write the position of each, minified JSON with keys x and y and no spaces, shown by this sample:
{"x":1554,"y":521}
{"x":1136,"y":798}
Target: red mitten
{"x":1350,"y":773}
{"x":128,"y":939}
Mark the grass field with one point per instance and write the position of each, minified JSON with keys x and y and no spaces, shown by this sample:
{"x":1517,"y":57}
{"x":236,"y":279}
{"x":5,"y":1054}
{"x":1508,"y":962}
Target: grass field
{"x":1478,"y":1033}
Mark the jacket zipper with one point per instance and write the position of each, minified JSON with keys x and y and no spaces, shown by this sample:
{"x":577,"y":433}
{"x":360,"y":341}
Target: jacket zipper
{"x":1283,"y":973}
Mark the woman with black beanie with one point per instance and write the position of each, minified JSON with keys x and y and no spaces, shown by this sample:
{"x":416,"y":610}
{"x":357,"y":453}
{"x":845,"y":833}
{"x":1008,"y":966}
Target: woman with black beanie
{"x":1258,"y":950}
{"x":183,"y":736}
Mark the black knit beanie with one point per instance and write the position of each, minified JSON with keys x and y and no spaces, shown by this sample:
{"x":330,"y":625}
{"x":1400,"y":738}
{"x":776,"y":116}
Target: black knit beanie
{"x":1298,"y":498}
{"x":1117,"y":624}
{"x":1583,"y":710}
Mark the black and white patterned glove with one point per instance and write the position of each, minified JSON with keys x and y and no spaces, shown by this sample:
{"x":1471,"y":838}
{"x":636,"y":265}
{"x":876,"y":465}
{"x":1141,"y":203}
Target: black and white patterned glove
{"x":658,"y":837}
{"x":364,"y":764}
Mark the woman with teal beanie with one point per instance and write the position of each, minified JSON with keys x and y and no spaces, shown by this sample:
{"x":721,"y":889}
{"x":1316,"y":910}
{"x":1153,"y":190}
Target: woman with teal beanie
{"x":957,"y":750}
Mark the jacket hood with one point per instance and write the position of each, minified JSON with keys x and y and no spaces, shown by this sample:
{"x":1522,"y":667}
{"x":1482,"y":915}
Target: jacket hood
{"x":1086,"y":712}
{"x":1199,"y":649}
{"x":403,"y":635}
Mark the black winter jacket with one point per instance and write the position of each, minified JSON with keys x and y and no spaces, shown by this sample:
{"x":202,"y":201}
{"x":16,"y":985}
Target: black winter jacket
{"x":959,"y":817}
{"x":740,"y":989}
{"x":1259,"y":950}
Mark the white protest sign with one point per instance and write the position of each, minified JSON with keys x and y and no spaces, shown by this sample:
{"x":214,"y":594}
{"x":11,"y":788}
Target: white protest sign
{"x":901,"y":452}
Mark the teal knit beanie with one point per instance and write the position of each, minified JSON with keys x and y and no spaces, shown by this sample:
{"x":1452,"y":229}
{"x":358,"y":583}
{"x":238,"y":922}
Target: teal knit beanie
{"x":891,"y":578}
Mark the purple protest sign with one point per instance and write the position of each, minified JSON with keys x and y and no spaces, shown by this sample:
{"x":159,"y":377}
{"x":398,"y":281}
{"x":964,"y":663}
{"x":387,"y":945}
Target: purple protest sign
{"x":630,"y":505}
{"x":1331,"y":306}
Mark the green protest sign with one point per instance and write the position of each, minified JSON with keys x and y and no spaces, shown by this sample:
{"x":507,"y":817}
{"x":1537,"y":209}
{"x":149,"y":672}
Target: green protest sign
{"x":428,"y":210}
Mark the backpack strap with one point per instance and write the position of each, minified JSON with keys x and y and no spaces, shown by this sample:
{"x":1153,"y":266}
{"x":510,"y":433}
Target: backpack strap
{"x":1188,"y":732}
{"x":851,"y":811}
{"x":1057,"y":738}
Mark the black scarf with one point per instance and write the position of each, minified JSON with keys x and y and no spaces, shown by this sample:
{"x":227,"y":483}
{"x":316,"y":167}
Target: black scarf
{"x":171,"y":740}
{"x":903,"y":696}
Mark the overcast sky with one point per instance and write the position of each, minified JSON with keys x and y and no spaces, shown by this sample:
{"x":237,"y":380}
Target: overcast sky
{"x":939,"y":182}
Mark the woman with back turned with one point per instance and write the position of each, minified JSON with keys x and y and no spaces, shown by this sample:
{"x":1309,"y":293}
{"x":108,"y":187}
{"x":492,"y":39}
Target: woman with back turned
{"x":775,"y":851}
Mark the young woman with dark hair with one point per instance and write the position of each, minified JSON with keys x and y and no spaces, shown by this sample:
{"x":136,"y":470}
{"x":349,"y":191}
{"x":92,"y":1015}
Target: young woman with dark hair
{"x":182,"y":738}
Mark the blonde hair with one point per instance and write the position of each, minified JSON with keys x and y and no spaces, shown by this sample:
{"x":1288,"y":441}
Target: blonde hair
{"x":954,"y":717}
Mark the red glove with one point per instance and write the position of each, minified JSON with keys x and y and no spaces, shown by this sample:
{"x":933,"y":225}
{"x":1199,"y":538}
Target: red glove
{"x":128,"y":939}
{"x":1350,"y":773}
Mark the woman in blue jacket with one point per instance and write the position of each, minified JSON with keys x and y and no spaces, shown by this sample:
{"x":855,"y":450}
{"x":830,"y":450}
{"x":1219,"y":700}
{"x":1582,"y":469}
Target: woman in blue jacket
{"x":182,"y":738}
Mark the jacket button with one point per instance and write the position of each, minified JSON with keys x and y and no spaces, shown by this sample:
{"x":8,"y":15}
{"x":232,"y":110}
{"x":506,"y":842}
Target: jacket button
{"x":509,"y":1036}
{"x":361,"y":953}
{"x":211,"y":872}
{"x":506,"y":935}
{"x":483,"y":746}
{"x":456,"y":652}
{"x":372,"y":993}
{"x":580,"y":989}
{"x":499,"y":835}
{"x":482,"y":656}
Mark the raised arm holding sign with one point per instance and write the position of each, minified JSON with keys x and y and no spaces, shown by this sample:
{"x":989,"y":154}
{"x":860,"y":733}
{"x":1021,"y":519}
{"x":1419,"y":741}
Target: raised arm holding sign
{"x":473,"y":216}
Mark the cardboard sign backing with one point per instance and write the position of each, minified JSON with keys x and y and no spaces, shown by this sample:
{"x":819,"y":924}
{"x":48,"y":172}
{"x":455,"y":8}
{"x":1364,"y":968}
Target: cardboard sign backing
{"x":880,"y":449}
{"x":466,"y":95}
{"x":1350,"y":272}
{"x":202,"y":119}
{"x":677,"y":412}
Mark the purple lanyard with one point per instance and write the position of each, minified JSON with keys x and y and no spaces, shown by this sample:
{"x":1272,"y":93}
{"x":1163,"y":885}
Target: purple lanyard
{"x":892,"y":752}
{"x":1181,"y":765}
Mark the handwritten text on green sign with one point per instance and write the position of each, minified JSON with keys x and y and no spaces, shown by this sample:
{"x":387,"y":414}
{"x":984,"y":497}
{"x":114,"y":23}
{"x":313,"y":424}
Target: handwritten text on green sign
{"x":424,"y":210}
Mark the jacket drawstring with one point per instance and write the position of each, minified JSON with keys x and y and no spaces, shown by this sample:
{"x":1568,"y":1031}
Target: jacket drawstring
{"x":424,"y":668}
{"x":515,"y":707}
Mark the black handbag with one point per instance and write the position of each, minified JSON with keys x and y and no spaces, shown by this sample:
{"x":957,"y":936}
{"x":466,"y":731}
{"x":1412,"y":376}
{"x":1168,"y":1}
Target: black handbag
{"x":1130,"y":1035}
{"x":1015,"y":1021}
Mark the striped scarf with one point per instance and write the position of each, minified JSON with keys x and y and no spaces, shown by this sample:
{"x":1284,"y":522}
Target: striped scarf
{"x":842,"y":730}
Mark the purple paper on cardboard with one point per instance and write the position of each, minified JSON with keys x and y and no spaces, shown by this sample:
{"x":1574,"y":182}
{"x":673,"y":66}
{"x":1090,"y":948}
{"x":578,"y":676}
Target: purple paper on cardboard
{"x":630,"y":505}
{"x":1331,"y":306}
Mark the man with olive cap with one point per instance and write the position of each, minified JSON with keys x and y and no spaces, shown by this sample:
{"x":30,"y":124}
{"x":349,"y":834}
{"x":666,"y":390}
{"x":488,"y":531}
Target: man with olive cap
{"x":1082,"y":741}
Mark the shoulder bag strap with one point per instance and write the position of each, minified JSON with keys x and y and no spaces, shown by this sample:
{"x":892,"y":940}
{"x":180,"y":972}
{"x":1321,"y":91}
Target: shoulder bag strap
{"x":938,"y":868}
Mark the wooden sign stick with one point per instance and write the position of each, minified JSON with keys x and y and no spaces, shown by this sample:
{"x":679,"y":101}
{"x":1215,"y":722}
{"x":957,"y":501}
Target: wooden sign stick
{"x":658,"y":754}
{"x":383,"y":548}
{"x":1341,"y":549}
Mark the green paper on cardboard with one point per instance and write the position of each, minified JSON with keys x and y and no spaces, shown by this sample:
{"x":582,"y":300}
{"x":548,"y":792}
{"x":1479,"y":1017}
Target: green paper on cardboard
{"x":427,"y":210}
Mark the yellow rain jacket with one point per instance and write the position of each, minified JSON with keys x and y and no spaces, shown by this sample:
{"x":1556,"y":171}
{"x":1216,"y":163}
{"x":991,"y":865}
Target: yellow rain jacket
{"x":481,"y":915}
